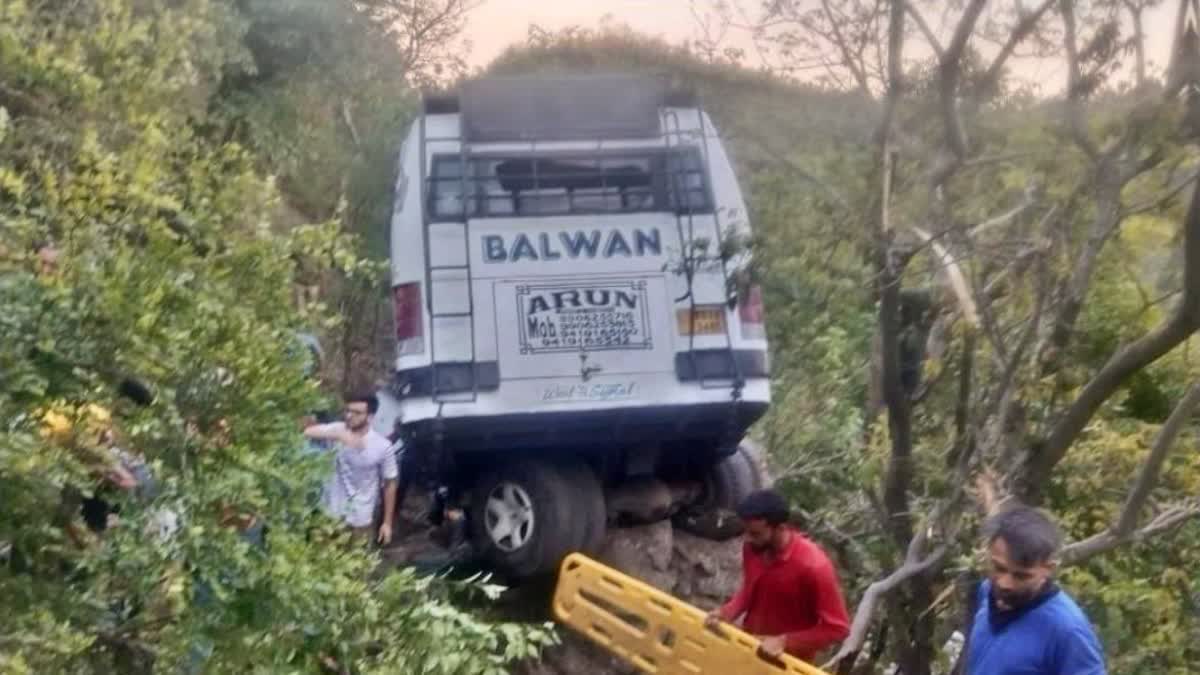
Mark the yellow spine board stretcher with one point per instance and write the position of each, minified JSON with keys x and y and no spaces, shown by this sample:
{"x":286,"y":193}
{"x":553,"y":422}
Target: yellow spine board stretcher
{"x":654,"y":631}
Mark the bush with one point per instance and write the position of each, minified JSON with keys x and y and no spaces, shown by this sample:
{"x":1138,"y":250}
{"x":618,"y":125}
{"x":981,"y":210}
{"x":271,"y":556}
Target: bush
{"x":169,"y":270}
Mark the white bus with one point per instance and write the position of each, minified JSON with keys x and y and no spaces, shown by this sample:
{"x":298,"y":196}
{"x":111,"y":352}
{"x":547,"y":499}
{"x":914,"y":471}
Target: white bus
{"x":568,"y":307}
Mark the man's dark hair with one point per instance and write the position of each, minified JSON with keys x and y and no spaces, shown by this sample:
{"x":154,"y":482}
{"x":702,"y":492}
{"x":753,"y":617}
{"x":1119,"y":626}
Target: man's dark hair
{"x":367,"y":397}
{"x":1031,"y":536}
{"x":135,"y":391}
{"x":766,"y":505}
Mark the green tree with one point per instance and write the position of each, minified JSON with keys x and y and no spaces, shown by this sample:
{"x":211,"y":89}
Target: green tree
{"x":172,"y":269}
{"x":1014,"y":330}
{"x":1013,"y":277}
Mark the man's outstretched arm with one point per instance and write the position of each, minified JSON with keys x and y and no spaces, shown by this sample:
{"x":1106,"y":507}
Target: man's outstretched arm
{"x":389,"y":510}
{"x":333,"y":432}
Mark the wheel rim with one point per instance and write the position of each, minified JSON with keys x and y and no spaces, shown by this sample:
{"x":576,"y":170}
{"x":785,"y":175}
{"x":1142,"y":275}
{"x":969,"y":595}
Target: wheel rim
{"x":508,"y":517}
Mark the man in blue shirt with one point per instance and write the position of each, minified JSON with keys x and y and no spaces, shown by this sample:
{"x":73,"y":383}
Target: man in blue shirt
{"x":1025,"y":624}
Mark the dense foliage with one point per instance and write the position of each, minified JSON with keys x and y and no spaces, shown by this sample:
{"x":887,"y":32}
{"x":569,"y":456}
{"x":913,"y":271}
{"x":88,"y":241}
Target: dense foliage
{"x":196,"y":162}
{"x":808,"y":161}
{"x":143,"y":236}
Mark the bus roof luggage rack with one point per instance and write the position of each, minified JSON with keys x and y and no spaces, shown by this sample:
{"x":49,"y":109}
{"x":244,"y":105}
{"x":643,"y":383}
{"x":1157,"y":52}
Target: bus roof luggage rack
{"x":446,"y":101}
{"x":440,"y":102}
{"x":562,"y":108}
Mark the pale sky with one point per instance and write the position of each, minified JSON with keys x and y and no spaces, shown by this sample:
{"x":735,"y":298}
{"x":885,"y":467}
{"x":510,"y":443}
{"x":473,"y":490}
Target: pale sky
{"x":496,"y":24}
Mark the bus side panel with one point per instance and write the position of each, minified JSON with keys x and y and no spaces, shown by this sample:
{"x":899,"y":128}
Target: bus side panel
{"x":734,"y":220}
{"x":407,"y":241}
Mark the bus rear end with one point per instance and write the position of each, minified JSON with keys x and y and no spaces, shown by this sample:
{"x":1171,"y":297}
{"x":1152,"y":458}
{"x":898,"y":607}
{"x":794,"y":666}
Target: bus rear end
{"x":565,"y":281}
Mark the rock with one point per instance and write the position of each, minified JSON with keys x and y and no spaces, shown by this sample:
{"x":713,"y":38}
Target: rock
{"x":706,"y":573}
{"x":715,"y":524}
{"x":644,"y":552}
{"x":642,"y":500}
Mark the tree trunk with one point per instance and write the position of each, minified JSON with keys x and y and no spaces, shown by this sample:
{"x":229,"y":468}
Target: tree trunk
{"x":915,"y":653}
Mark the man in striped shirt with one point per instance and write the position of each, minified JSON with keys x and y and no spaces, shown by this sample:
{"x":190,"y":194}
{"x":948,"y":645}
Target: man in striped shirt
{"x":363,"y":468}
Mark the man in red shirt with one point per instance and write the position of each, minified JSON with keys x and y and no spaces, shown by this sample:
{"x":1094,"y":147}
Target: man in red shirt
{"x":790,"y":596}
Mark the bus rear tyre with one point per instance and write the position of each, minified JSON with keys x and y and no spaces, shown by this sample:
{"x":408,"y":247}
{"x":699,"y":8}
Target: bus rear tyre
{"x":757,"y":458}
{"x":732,"y":479}
{"x":591,"y":512}
{"x":525,"y":517}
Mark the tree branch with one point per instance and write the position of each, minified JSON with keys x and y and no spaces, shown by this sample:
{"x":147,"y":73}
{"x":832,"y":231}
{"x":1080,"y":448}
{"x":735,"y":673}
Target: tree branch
{"x":950,"y":70}
{"x":954,"y":277}
{"x":1024,"y":28}
{"x":1075,"y":83}
{"x":847,"y":56}
{"x":962,"y":32}
{"x":964,"y":440}
{"x":865,"y":613}
{"x":1104,"y":224}
{"x":888,"y":268}
{"x":899,"y":469}
{"x":895,"y":69}
{"x":986,"y":160}
{"x":1104,"y":542}
{"x":1027,"y":203}
{"x":1139,"y":44}
{"x":1125,"y":362}
{"x":1003,"y":400}
{"x":925,"y":29}
{"x":914,"y":565}
{"x":1148,"y":476}
{"x":349,"y":121}
{"x":916,"y":561}
{"x":1163,"y":200}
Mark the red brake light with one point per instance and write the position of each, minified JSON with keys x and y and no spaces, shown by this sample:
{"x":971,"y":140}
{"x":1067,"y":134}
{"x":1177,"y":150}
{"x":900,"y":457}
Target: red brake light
{"x":751,"y":313}
{"x":410,"y":324}
{"x":751,"y":305}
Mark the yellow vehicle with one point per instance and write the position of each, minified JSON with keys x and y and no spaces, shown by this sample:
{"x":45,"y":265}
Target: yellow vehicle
{"x":654,"y":631}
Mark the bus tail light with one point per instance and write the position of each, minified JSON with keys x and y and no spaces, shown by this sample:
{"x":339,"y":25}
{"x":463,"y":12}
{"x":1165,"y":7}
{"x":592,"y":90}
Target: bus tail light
{"x":751,"y":313}
{"x":410,"y":320}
